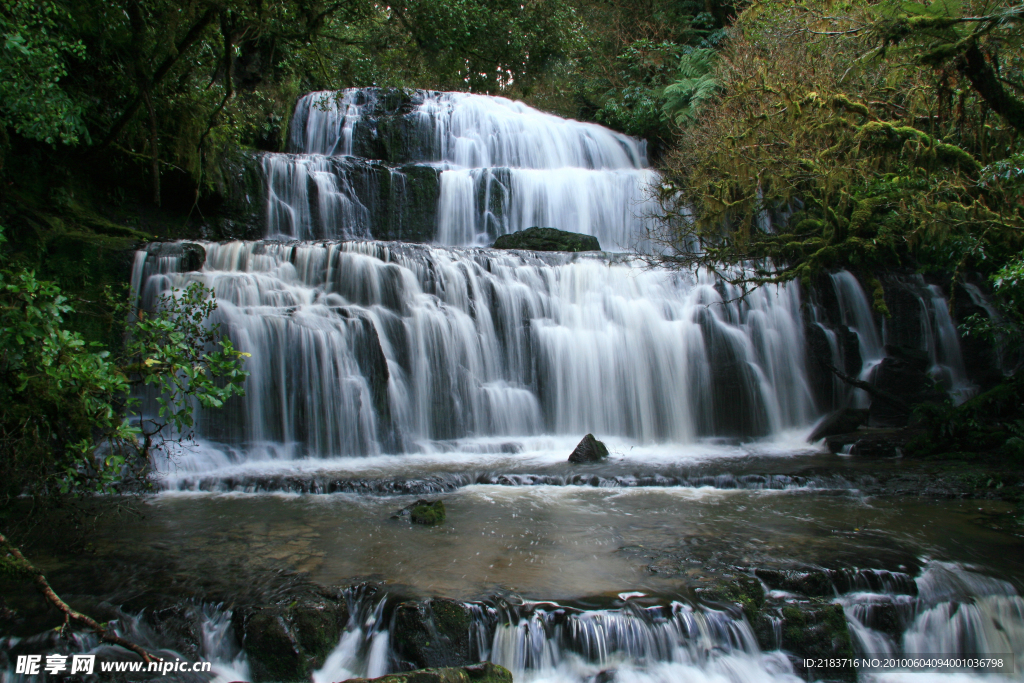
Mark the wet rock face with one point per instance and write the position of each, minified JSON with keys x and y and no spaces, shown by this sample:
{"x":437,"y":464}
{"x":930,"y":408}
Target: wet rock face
{"x":288,"y":642}
{"x":818,"y":630}
{"x":840,"y":422}
{"x":589,"y":449}
{"x":484,"y":672}
{"x":809,"y":583}
{"x":744,"y":591}
{"x":433,"y":633}
{"x":904,"y":374}
{"x":547,"y":239}
{"x":190,"y":256}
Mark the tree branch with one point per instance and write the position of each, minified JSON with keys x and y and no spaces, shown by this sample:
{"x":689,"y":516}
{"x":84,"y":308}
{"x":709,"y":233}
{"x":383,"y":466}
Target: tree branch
{"x":69,"y":614}
{"x":868,"y":387}
{"x":986,"y":83}
{"x":158,"y":75}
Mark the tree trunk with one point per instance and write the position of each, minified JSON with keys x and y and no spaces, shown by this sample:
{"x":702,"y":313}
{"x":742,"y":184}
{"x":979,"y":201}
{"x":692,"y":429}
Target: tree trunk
{"x":154,"y":148}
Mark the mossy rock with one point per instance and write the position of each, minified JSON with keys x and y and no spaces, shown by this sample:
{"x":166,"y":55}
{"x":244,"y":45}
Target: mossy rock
{"x":428,"y":513}
{"x":818,"y":630}
{"x":286,"y":643}
{"x":744,"y":591}
{"x":812,"y":583}
{"x":589,"y":449}
{"x":547,"y":239}
{"x":484,"y":672}
{"x":434,"y":633}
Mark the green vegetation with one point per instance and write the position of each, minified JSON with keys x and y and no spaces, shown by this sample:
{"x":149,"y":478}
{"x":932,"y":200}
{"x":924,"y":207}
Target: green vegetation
{"x":69,"y":421}
{"x":860,"y":135}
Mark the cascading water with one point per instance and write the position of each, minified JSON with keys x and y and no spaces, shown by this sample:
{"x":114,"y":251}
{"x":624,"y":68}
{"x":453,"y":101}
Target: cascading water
{"x":495,"y":167}
{"x":215,"y":642}
{"x":361,"y":348}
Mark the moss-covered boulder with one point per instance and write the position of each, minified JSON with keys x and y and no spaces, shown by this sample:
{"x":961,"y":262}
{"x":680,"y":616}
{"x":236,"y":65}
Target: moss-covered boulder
{"x":427,"y":512}
{"x":589,"y":449}
{"x":287,"y":642}
{"x":547,"y":239}
{"x":812,"y":582}
{"x":484,"y":672}
{"x":190,"y":256}
{"x":818,"y":630}
{"x":433,"y":633}
{"x":744,"y":591}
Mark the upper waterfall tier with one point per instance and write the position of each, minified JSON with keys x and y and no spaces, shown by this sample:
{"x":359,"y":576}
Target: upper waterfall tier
{"x":452,"y":168}
{"x":467,"y":130}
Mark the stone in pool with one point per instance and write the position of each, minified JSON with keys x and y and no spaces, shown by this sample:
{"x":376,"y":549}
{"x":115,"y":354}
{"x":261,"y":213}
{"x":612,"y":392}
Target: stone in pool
{"x":589,"y":449}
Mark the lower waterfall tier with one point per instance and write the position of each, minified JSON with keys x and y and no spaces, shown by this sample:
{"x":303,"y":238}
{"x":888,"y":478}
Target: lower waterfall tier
{"x":369,"y":347}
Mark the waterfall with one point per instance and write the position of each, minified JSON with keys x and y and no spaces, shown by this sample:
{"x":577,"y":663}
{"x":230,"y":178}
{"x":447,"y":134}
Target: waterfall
{"x":950,"y":611}
{"x":216,"y":643}
{"x":935,"y":333}
{"x":487,"y":165}
{"x":365,"y":347}
{"x":364,"y":649}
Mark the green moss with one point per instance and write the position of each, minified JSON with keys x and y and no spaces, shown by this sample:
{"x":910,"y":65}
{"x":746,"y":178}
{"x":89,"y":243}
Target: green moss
{"x":818,"y":630}
{"x":745,"y":591}
{"x":450,"y":617}
{"x":428,"y":513}
{"x":547,"y":239}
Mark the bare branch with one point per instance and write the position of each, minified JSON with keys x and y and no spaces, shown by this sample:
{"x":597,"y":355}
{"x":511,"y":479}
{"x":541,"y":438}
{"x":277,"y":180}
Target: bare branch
{"x":70,"y":614}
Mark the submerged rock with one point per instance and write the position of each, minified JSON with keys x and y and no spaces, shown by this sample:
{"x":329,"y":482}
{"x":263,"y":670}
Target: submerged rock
{"x":589,"y":449}
{"x":427,"y":512}
{"x":841,"y":421}
{"x":484,"y":672}
{"x":547,"y":239}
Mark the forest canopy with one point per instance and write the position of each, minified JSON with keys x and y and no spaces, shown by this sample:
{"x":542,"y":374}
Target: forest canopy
{"x":864,"y":135}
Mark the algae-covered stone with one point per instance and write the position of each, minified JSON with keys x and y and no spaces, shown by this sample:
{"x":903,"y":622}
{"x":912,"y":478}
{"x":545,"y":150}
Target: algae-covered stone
{"x":813,"y":582}
{"x":434,"y":633}
{"x":190,"y":256}
{"x":547,"y":239}
{"x":484,"y":672}
{"x":589,"y":449}
{"x":288,"y":642}
{"x":745,"y":591}
{"x":818,"y":630}
{"x":427,"y":512}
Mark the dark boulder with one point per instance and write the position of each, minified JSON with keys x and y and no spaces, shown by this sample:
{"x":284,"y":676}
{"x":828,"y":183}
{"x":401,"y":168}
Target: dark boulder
{"x":818,"y":630}
{"x":812,"y":582}
{"x":744,"y":591}
{"x":288,"y":642}
{"x":484,"y":672}
{"x":547,"y":239}
{"x":873,"y":443}
{"x":841,"y":421}
{"x":190,"y":256}
{"x":903,"y":373}
{"x":589,"y":449}
{"x":433,"y":633}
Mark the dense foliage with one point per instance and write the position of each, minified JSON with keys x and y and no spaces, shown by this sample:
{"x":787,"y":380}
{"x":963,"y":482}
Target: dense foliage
{"x":861,"y":136}
{"x":70,"y":422}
